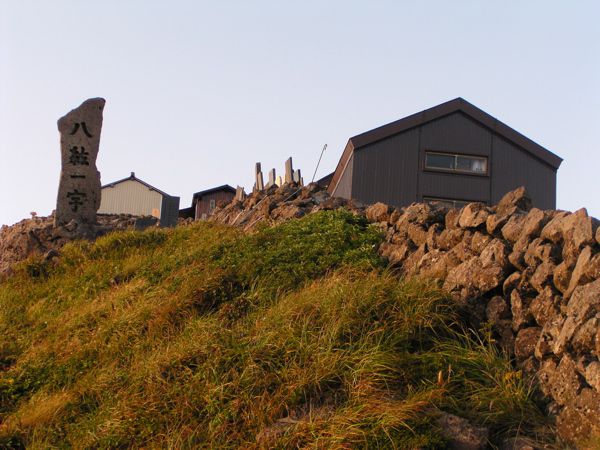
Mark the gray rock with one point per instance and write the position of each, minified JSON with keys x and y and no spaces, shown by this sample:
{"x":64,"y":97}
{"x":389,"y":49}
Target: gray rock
{"x":79,"y":188}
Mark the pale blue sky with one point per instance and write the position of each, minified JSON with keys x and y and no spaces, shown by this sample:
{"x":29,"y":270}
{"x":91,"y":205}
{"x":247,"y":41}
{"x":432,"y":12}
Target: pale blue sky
{"x":197,"y":92}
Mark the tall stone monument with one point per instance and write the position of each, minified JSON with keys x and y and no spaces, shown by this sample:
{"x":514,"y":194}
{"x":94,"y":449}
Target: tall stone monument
{"x":79,"y":189}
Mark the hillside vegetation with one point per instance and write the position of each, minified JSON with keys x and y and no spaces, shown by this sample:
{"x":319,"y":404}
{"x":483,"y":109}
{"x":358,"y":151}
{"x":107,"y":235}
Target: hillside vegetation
{"x":202,"y":336}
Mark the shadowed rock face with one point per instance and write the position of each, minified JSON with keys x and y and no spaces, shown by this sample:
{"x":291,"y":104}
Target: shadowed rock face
{"x":533,"y":274}
{"x":79,"y":188}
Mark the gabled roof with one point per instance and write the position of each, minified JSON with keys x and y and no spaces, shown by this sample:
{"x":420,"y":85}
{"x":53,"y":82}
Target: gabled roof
{"x":132,"y":177}
{"x":224,"y":187}
{"x":437,"y":112}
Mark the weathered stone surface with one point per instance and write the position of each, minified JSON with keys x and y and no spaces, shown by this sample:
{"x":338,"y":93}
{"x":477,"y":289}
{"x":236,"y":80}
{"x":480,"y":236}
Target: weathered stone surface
{"x":424,"y":213}
{"x":526,"y":341}
{"x":553,"y":231}
{"x":472,"y":279}
{"x":461,"y":434}
{"x":416,"y":233}
{"x":379,"y":212}
{"x":519,"y":307}
{"x":473,"y":215}
{"x":433,"y":233}
{"x":592,"y":375}
{"x":395,"y":253}
{"x":580,"y":419}
{"x":448,"y":239}
{"x":479,"y":242}
{"x":497,"y":309}
{"x":518,"y":198}
{"x":545,"y":306}
{"x":592,"y":268}
{"x":534,"y":222}
{"x":583,"y":305}
{"x":517,"y":256}
{"x":451,"y":219}
{"x":579,"y":272}
{"x":539,"y":251}
{"x":436,"y":264}
{"x":511,"y":282}
{"x":564,"y":382}
{"x":495,"y":253}
{"x":513,"y":228}
{"x":562,"y":277}
{"x":542,"y":276}
{"x":79,"y":188}
{"x":495,"y":222}
{"x":411,"y":263}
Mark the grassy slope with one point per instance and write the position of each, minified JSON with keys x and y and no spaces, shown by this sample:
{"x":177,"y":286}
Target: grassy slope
{"x":203,"y":337}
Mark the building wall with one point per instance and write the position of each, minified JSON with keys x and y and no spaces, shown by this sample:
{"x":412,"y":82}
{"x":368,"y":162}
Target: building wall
{"x":387,"y":171}
{"x":203,"y":203}
{"x":393,"y":170}
{"x":455,"y":133}
{"x":513,"y":168}
{"x":344,"y":186}
{"x":130,"y":197}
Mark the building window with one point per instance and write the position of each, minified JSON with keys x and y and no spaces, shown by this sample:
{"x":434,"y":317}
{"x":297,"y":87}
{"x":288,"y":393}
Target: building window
{"x":212,"y":204}
{"x":452,"y":203}
{"x":450,"y":162}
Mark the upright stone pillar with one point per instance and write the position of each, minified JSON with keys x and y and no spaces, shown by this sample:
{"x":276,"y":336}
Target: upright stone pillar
{"x":79,"y":189}
{"x":289,"y":171}
{"x":272,"y":178}
{"x":259,"y":183}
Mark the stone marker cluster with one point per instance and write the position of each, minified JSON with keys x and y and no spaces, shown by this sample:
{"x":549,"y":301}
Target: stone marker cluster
{"x":290,"y":176}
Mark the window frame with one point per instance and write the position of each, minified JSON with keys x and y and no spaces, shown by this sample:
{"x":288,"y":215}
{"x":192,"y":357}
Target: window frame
{"x":456,"y":171}
{"x":212,"y":204}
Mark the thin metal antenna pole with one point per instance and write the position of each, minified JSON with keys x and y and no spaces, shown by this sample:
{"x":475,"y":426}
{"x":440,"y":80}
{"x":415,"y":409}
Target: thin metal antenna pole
{"x":319,"y":162}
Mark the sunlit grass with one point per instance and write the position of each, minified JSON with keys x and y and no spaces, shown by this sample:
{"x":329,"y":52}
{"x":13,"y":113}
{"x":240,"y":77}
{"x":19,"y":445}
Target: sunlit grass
{"x":295,"y":336}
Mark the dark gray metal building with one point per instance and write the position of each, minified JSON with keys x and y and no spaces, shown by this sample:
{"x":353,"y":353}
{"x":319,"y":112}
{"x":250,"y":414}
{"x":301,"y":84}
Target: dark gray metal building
{"x":453,"y":152}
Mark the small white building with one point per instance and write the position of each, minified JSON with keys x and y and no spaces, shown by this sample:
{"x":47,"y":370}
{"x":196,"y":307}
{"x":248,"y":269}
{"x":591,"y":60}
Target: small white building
{"x":138,"y":198}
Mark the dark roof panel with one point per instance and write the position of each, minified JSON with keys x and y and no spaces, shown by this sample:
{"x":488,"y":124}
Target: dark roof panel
{"x":224,"y":187}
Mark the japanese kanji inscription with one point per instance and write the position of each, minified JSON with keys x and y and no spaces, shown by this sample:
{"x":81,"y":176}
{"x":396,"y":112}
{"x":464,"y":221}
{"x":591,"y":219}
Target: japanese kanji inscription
{"x":79,"y":188}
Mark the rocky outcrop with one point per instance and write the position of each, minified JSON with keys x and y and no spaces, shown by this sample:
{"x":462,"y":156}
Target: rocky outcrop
{"x":38,"y":235}
{"x":533,"y":275}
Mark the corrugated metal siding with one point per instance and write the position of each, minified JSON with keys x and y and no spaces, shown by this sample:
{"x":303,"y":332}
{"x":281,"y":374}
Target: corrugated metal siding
{"x":386,"y":171}
{"x":456,"y":133}
{"x":344,"y":186}
{"x":455,"y":186}
{"x":513,"y":167}
{"x":130,"y":197}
